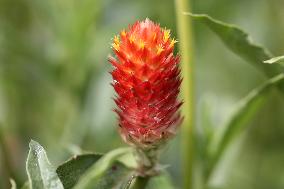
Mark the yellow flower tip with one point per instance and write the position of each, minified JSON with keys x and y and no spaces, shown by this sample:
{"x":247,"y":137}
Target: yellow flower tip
{"x":166,"y":35}
{"x":132,"y":38}
{"x":173,"y":41}
{"x":116,"y":46}
{"x":160,"y":49}
{"x":116,"y":39}
{"x":123,"y":33}
{"x":141,"y":44}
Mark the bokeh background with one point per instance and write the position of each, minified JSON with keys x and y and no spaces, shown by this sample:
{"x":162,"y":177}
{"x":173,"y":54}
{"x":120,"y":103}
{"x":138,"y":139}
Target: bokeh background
{"x":55,"y":86}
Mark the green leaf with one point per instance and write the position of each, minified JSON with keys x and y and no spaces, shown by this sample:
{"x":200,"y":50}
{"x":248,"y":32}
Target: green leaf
{"x":129,"y":160}
{"x":71,"y":171}
{"x":245,"y":110}
{"x":239,"y":42}
{"x":40,"y":172}
{"x":106,"y":173}
{"x":161,"y":181}
{"x":13,"y":184}
{"x":116,"y":177}
{"x":26,"y":185}
{"x":278,"y":59}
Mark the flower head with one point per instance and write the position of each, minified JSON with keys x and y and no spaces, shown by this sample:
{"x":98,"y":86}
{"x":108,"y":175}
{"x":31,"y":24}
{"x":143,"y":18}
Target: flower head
{"x":146,"y":78}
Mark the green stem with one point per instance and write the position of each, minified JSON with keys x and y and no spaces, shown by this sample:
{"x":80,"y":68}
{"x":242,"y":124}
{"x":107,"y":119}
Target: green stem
{"x":147,"y":160}
{"x":187,"y":89}
{"x":140,"y":182}
{"x":6,"y":159}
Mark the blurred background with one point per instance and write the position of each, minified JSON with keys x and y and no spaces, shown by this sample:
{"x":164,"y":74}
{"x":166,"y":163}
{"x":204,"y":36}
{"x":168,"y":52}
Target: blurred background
{"x":55,"y":86}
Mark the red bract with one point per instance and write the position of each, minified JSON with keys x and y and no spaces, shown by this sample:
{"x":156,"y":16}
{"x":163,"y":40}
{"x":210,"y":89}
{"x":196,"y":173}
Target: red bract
{"x":146,"y":78}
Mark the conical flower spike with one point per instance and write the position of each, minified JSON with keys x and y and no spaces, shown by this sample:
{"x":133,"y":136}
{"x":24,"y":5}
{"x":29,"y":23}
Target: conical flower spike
{"x":146,"y":78}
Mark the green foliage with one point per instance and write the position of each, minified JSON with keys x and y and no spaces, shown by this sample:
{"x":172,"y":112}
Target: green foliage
{"x":13,"y":184}
{"x":238,"y":42}
{"x":71,"y":171}
{"x":40,"y":172}
{"x":94,"y":171}
{"x":83,"y":171}
{"x":217,"y":141}
{"x":278,"y":59}
{"x":162,"y":181}
{"x":93,"y":176}
{"x":238,"y":121}
{"x":114,"y":177}
{"x":26,"y":185}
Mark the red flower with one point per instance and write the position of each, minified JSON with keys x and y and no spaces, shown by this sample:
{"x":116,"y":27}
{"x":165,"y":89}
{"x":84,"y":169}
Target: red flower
{"x":146,"y":78}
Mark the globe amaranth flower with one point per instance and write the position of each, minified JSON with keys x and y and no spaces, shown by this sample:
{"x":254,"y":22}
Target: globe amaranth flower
{"x":146,"y":78}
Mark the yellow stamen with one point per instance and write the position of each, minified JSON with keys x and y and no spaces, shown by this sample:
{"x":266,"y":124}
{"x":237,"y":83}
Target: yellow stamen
{"x":160,"y":49}
{"x":173,"y":41}
{"x":115,"y":46}
{"x":123,"y":33}
{"x":141,"y":44}
{"x":132,"y":38}
{"x":166,"y":35}
{"x":116,"y":39}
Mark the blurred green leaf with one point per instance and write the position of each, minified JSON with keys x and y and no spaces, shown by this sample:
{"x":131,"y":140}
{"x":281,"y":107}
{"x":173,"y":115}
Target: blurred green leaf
{"x":106,"y":173}
{"x":71,"y":171}
{"x":40,"y":172}
{"x":26,"y":185}
{"x":129,"y":160}
{"x":206,"y":125}
{"x":243,"y":113}
{"x":13,"y":184}
{"x":161,"y":181}
{"x":117,"y":176}
{"x":278,"y":59}
{"x":239,"y":42}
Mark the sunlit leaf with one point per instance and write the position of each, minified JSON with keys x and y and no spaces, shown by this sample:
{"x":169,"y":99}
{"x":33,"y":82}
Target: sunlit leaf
{"x":40,"y":172}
